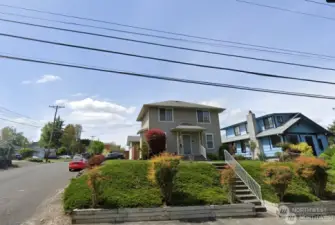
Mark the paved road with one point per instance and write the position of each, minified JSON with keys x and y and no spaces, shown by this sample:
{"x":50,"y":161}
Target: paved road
{"x":23,"y":189}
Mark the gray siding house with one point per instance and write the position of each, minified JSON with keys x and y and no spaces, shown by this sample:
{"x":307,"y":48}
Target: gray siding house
{"x":191,"y":129}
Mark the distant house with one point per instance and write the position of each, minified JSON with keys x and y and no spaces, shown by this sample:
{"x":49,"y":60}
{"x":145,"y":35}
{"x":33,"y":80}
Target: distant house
{"x":270,"y":130}
{"x":39,"y":152}
{"x":191,"y":129}
{"x":133,"y":142}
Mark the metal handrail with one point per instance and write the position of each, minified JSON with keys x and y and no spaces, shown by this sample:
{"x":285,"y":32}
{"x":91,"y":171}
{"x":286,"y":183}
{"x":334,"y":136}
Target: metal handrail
{"x":203,"y":151}
{"x":254,"y":187}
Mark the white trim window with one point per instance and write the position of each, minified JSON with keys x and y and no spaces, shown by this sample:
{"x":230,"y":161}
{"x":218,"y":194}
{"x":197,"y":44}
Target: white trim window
{"x":203,"y":116}
{"x":165,"y":115}
{"x":210,"y":141}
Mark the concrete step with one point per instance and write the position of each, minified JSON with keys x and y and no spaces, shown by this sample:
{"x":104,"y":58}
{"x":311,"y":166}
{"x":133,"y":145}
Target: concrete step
{"x":242,"y":191}
{"x":252,"y":201}
{"x":238,"y":182}
{"x":240,"y":187}
{"x":260,"y":208}
{"x":246,"y":196}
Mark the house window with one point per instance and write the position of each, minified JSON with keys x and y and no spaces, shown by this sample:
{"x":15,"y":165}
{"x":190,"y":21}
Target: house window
{"x":275,"y":140}
{"x":268,"y":123}
{"x":210,"y":141}
{"x":280,"y":120}
{"x":237,"y":131}
{"x":320,"y":144}
{"x":203,"y":116}
{"x":243,"y":147}
{"x":166,"y":115}
{"x":293,"y":139}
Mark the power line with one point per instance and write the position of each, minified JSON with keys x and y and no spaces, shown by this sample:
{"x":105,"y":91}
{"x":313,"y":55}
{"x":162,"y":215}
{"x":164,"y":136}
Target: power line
{"x":148,"y":76}
{"x":250,"y":48}
{"x":18,"y":114}
{"x":154,"y":43}
{"x":12,"y":121}
{"x":287,"y":10}
{"x":176,"y":61}
{"x":144,"y":28}
{"x":320,"y":3}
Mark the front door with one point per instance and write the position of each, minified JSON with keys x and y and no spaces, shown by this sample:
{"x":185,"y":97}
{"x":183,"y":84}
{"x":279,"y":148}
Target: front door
{"x":309,"y":141}
{"x":187,"y":144}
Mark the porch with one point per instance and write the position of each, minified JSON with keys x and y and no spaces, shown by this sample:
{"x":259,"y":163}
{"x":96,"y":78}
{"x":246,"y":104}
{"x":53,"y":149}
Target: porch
{"x":190,"y":141}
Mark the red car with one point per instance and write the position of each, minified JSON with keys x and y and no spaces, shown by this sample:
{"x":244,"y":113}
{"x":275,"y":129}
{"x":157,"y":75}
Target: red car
{"x":77,"y":163}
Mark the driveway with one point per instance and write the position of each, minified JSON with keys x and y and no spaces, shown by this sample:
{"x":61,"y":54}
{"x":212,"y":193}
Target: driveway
{"x":23,"y":189}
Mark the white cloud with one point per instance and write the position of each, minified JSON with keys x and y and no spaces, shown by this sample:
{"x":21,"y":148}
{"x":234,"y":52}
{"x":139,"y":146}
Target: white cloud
{"x":89,"y":104}
{"x":47,"y":78}
{"x":104,"y":119}
{"x":43,"y":79}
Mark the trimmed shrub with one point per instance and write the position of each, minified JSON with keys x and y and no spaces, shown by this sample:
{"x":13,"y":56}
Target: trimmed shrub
{"x":96,"y":160}
{"x":156,"y":139}
{"x":145,"y":150}
{"x":212,"y":156}
{"x":297,"y":191}
{"x":223,"y":147}
{"x":162,"y":171}
{"x":278,"y":176}
{"x":26,"y":152}
{"x":314,"y":172}
{"x":196,"y":183}
{"x":35,"y":160}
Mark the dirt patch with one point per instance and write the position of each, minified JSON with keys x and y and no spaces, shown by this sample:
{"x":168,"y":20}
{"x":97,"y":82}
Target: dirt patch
{"x":50,"y":212}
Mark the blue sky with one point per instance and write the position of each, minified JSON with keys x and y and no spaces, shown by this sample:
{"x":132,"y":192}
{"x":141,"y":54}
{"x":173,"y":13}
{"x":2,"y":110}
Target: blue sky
{"x":108,"y":104}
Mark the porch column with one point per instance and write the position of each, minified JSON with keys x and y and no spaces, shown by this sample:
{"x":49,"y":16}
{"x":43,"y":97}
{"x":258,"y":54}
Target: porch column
{"x":178,"y":145}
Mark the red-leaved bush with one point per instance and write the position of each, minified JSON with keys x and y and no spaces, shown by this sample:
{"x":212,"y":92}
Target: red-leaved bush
{"x":156,"y":140}
{"x":96,"y":160}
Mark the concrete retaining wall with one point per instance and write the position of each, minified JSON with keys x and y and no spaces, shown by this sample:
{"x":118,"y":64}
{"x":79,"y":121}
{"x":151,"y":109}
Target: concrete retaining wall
{"x":82,"y":216}
{"x":303,"y":209}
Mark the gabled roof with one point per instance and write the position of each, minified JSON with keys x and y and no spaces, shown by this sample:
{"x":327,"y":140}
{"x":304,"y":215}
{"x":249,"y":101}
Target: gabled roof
{"x":280,"y":129}
{"x":176,"y":104}
{"x":236,"y":138}
{"x":259,"y":117}
{"x":133,"y":139}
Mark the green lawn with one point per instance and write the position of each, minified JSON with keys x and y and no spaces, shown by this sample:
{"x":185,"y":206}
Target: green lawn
{"x":125,"y":184}
{"x":298,"y":191}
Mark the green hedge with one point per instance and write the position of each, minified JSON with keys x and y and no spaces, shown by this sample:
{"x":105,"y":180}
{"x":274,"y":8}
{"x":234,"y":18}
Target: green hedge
{"x":297,"y":191}
{"x":125,"y":184}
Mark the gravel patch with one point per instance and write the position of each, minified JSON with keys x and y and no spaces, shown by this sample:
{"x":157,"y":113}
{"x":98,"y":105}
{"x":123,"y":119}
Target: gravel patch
{"x":50,"y":212}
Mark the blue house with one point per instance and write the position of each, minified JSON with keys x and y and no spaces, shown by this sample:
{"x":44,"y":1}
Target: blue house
{"x":272,"y":129}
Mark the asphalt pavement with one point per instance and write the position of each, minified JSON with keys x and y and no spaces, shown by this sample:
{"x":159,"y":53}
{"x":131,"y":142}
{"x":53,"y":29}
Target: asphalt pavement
{"x":23,"y":189}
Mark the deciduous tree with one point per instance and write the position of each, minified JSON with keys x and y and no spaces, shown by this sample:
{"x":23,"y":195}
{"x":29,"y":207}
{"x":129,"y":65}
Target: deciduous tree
{"x":96,"y":147}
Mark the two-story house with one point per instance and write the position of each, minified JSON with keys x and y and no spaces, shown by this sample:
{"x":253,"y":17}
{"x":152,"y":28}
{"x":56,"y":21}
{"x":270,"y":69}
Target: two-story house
{"x":272,"y":129}
{"x":191,"y":129}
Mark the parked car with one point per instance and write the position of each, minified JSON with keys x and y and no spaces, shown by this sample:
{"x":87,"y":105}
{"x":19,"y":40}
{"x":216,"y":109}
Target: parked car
{"x":77,"y":163}
{"x":114,"y":155}
{"x":65,"y":157}
{"x":18,"y":156}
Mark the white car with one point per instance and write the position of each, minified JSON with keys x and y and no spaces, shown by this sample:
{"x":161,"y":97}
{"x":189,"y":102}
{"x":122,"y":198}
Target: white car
{"x":35,"y":157}
{"x":65,"y":157}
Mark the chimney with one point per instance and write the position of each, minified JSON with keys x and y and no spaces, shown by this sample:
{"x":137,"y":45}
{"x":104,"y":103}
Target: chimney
{"x":252,"y":130}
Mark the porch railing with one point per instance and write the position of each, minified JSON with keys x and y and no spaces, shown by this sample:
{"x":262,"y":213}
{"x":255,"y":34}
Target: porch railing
{"x":203,"y":151}
{"x":254,"y":187}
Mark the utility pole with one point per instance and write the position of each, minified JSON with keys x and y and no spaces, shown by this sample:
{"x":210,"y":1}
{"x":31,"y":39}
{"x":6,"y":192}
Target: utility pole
{"x":56,"y":107}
